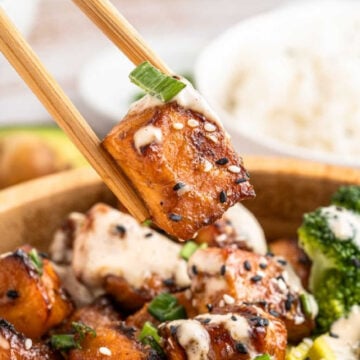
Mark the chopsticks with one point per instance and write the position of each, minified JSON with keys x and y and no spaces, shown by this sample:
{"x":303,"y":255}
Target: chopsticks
{"x":28,"y":65}
{"x":104,"y":14}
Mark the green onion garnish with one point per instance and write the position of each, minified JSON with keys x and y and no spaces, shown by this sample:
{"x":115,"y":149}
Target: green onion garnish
{"x":150,"y":336}
{"x":147,"y":222}
{"x":65,"y":342}
{"x":305,"y":304}
{"x":155,"y":83}
{"x":263,"y":357}
{"x":189,"y":248}
{"x":36,"y":261}
{"x":166,"y":307}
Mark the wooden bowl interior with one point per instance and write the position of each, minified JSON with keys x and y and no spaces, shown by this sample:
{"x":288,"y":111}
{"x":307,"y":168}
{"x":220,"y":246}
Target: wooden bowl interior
{"x":30,"y":212}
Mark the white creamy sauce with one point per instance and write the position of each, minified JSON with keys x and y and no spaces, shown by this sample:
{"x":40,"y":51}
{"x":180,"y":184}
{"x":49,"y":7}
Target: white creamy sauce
{"x":147,"y":135}
{"x":344,"y":223}
{"x":206,"y":261}
{"x":297,"y":77}
{"x":193,"y":337}
{"x":348,"y":328}
{"x":99,"y":250}
{"x":248,"y":228}
{"x":238,"y":329}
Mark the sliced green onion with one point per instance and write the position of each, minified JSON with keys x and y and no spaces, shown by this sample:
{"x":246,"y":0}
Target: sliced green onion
{"x":305,"y":304}
{"x":147,"y":222}
{"x":36,"y":261}
{"x":263,"y":357}
{"x":150,"y":336}
{"x":64,"y":342}
{"x":165,"y":307}
{"x":155,"y":83}
{"x":189,"y":248}
{"x":149,"y":330}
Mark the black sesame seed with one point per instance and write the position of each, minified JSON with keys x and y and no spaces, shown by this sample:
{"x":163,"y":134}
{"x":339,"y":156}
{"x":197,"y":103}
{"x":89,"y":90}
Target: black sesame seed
{"x":240,"y":180}
{"x":259,"y":321}
{"x":169,"y":282}
{"x":262,"y":302}
{"x":222,"y":161}
{"x":44,"y":255}
{"x":269,"y":254}
{"x":12,"y":294}
{"x":280,"y":277}
{"x":274,"y":313}
{"x":288,"y":302}
{"x":175,"y":217}
{"x":223,"y":197}
{"x":223,"y":270}
{"x":233,"y":318}
{"x":241,"y":348}
{"x":263,"y":265}
{"x":247,"y":265}
{"x":121,"y":230}
{"x":281,"y":262}
{"x":147,"y":235}
{"x":356,"y":262}
{"x":335,"y":336}
{"x":179,"y":186}
{"x":206,"y":321}
{"x":209,"y":307}
{"x":256,"y":278}
{"x":194,"y":270}
{"x":173,"y":330}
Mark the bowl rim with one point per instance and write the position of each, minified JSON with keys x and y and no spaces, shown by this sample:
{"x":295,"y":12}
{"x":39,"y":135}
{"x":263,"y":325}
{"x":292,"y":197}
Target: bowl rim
{"x":224,"y":42}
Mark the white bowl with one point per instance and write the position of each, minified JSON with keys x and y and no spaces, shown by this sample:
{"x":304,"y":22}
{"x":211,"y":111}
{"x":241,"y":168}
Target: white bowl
{"x":217,"y":64}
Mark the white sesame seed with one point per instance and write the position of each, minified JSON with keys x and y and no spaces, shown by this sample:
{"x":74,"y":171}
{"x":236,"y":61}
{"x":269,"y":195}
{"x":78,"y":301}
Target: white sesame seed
{"x":209,"y":127}
{"x":234,"y":169}
{"x":183,"y":190}
{"x":207,"y":166}
{"x":221,"y":238}
{"x":28,"y":344}
{"x":212,"y":138}
{"x":282,"y":285}
{"x":228,"y":299}
{"x":178,"y":126}
{"x":105,"y":351}
{"x":193,"y":123}
{"x":221,"y":303}
{"x":299,"y":320}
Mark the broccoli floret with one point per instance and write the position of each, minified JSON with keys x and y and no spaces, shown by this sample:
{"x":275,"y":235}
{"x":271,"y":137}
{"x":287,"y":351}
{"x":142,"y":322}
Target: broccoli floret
{"x":331,"y":238}
{"x":348,"y":197}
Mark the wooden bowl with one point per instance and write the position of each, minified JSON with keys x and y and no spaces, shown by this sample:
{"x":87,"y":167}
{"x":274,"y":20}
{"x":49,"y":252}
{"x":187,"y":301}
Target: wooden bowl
{"x":286,"y":188}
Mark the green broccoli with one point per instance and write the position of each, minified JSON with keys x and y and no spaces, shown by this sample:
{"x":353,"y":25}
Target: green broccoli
{"x":348,"y":197}
{"x":331,"y":238}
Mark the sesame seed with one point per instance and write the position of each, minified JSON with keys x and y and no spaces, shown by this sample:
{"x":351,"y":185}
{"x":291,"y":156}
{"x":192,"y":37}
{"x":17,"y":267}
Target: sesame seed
{"x":207,"y":166}
{"x":175,"y":217}
{"x":212,"y":137}
{"x":194,"y":270}
{"x":221,"y":238}
{"x":222,"y":161}
{"x":223,"y":270}
{"x":233,"y":318}
{"x":28,"y":344}
{"x":234,"y":169}
{"x":263,"y":265}
{"x":241,"y":348}
{"x":193,"y":123}
{"x":178,"y":126}
{"x":259,"y":321}
{"x":288,"y":302}
{"x":169,"y":282}
{"x":240,"y":180}
{"x":247,"y":265}
{"x":173,"y":330}
{"x":209,"y":127}
{"x":274,"y":313}
{"x":256,"y":278}
{"x":223,"y":197}
{"x":209,"y":307}
{"x":12,"y":294}
{"x":179,"y":186}
{"x":269,"y":254}
{"x":282,"y":262}
{"x":121,"y":230}
{"x":149,"y":235}
{"x":335,"y":336}
{"x":228,"y":299}
{"x":206,"y":321}
{"x":105,"y":351}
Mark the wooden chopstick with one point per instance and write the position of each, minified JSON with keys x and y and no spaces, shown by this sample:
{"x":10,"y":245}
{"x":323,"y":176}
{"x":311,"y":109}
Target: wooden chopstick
{"x":104,"y":14}
{"x":27,"y":64}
